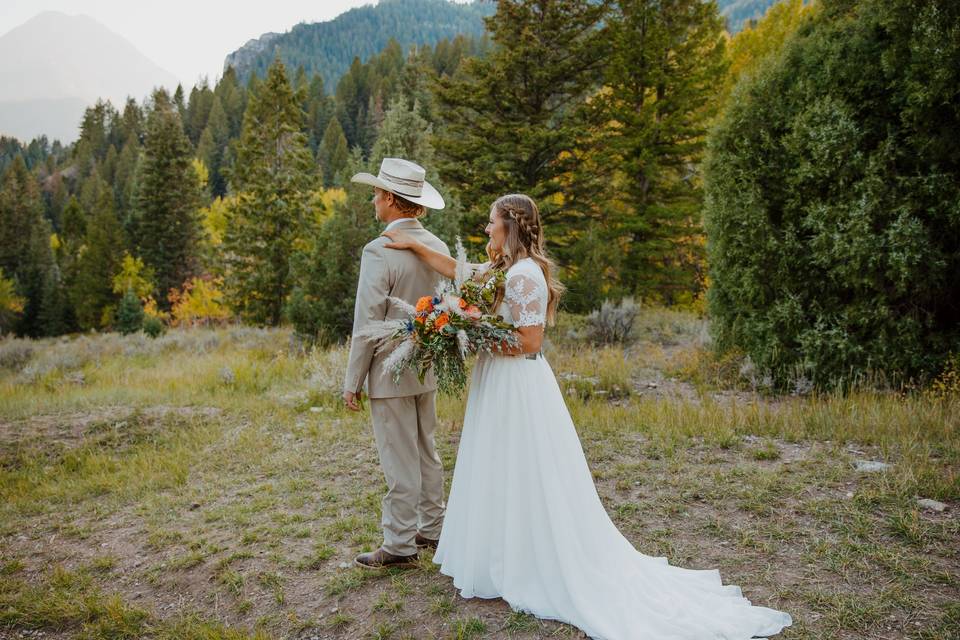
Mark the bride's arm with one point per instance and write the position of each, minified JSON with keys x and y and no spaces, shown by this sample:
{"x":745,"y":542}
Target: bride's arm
{"x":439,"y":262}
{"x":530,"y":340}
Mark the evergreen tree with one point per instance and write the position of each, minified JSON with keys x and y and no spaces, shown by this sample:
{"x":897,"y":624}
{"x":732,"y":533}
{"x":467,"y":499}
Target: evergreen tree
{"x":273,"y":177}
{"x":321,"y":306}
{"x":405,"y":134}
{"x":130,"y":125}
{"x":233,"y":99}
{"x":513,"y":117}
{"x":363,"y":93}
{"x":130,"y":313}
{"x":58,"y":195}
{"x":25,"y":252}
{"x":661,"y":79}
{"x":326,"y":277}
{"x":124,"y":180}
{"x":166,"y":226}
{"x":91,"y":288}
{"x":56,"y":315}
{"x":833,"y":184}
{"x":94,"y":140}
{"x":198,"y":111}
{"x":333,"y":152}
{"x":74,"y":223}
{"x":180,"y":103}
{"x":319,"y":108}
{"x":213,"y":148}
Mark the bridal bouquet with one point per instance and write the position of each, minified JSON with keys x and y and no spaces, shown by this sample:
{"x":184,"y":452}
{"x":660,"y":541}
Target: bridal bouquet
{"x":443,"y":328}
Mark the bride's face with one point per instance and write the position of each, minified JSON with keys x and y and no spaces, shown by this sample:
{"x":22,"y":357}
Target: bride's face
{"x":496,"y":231}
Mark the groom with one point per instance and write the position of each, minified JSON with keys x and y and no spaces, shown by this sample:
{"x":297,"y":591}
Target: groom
{"x":404,"y":414}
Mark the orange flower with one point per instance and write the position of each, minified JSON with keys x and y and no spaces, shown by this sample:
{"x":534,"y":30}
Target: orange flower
{"x":463,"y":303}
{"x":441,"y":320}
{"x":425,"y":304}
{"x":420,"y":319}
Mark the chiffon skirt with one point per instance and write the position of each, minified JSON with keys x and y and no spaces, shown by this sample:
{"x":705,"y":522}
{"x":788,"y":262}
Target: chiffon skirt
{"x":524,"y":523}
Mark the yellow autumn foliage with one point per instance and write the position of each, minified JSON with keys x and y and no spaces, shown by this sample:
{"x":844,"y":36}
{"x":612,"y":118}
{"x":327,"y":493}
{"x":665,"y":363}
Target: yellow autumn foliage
{"x":214,"y":219}
{"x":200,"y":303}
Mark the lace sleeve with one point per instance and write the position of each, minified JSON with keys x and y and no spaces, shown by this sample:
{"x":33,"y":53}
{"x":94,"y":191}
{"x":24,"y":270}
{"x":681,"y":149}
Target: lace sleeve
{"x":526,"y":296}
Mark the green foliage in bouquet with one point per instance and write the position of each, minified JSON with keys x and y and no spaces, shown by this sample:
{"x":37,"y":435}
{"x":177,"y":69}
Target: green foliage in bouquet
{"x":442,"y":329}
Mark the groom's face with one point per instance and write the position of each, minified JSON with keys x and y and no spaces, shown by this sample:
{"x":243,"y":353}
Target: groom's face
{"x":380,"y":204}
{"x":383,"y":204}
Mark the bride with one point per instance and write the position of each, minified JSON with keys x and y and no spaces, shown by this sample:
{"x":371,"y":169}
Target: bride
{"x":524,"y":521}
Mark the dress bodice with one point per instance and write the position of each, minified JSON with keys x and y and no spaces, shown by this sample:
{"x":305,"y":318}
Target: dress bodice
{"x":525,"y":295}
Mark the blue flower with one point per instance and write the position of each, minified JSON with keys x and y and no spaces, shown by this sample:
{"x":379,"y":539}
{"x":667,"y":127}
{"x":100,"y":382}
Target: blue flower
{"x":436,"y":300}
{"x":409,"y":326}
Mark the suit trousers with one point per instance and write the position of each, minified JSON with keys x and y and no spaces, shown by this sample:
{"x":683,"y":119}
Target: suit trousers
{"x":403,"y":428}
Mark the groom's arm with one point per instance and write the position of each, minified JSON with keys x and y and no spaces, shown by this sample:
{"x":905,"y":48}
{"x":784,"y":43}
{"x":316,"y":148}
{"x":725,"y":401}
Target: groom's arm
{"x":371,"y":304}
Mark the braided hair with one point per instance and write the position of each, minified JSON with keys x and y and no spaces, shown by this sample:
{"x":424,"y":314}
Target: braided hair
{"x":525,"y":239}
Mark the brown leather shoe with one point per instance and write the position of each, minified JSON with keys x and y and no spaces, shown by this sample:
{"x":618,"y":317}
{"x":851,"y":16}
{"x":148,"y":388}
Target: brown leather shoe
{"x":380,"y":559}
{"x":425,"y":543}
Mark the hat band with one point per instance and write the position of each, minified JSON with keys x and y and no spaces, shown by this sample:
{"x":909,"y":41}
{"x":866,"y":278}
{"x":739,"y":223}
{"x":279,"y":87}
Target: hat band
{"x":407,"y":182}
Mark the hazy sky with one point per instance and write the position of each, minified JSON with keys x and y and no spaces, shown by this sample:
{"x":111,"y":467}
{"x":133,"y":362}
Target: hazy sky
{"x":188,"y":38}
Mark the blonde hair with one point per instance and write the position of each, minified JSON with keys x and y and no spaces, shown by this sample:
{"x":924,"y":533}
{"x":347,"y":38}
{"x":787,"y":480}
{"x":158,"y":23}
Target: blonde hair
{"x":405,"y":207}
{"x":524,"y":239}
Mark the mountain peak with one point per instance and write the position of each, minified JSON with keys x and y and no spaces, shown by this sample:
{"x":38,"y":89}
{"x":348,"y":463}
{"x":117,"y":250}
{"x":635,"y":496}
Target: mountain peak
{"x":55,"y":61}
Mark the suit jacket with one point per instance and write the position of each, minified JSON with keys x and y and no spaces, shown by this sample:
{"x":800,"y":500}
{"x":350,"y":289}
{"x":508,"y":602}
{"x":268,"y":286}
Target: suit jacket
{"x":383,"y":273}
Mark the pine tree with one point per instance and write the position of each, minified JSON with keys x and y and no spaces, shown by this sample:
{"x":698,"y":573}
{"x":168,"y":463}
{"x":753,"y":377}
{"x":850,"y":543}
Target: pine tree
{"x":74,"y":222}
{"x":233,"y":99}
{"x":166,"y":226}
{"x":333,"y":153}
{"x":180,"y":102}
{"x":662,"y":78}
{"x":405,"y":134}
{"x":131,"y":124}
{"x":129,"y":317}
{"x":512,"y":119}
{"x":321,"y":306}
{"x":56,"y":315}
{"x":124,"y":181}
{"x":273,"y":177}
{"x":94,"y":140}
{"x":319,"y":108}
{"x":198,"y":111}
{"x":25,"y":252}
{"x":213,"y":148}
{"x":91,"y":287}
{"x":58,"y":196}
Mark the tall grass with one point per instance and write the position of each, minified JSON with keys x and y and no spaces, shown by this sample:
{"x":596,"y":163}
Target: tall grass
{"x":245,"y":424}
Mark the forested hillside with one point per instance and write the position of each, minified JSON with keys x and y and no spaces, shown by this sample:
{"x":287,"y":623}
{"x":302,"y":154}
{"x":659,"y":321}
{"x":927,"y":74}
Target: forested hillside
{"x":328,"y":48}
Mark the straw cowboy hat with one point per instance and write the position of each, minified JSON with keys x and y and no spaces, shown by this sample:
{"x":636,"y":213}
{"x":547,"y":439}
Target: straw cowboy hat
{"x":405,"y":179}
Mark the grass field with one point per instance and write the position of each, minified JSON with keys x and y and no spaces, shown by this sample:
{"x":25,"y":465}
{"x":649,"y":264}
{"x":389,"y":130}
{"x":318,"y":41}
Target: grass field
{"x":207,"y":484}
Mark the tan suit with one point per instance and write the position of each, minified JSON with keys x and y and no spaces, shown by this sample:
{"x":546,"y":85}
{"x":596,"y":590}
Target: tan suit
{"x":404,"y":414}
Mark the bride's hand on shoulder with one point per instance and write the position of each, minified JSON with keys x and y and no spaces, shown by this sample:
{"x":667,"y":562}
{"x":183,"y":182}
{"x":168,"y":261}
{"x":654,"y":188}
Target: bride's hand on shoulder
{"x":400,"y":240}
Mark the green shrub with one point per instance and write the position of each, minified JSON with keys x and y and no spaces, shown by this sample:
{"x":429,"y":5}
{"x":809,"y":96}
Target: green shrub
{"x":833,"y":198}
{"x":129,"y":313}
{"x":153,"y":326}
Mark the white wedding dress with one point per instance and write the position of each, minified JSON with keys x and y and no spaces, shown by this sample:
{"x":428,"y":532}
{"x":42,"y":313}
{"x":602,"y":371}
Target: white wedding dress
{"x":524,"y":521}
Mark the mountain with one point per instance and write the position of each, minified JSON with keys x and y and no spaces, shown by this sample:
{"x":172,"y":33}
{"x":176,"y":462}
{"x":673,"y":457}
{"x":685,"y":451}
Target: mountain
{"x":328,"y":48}
{"x":54,"y":65}
{"x":739,"y":12}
